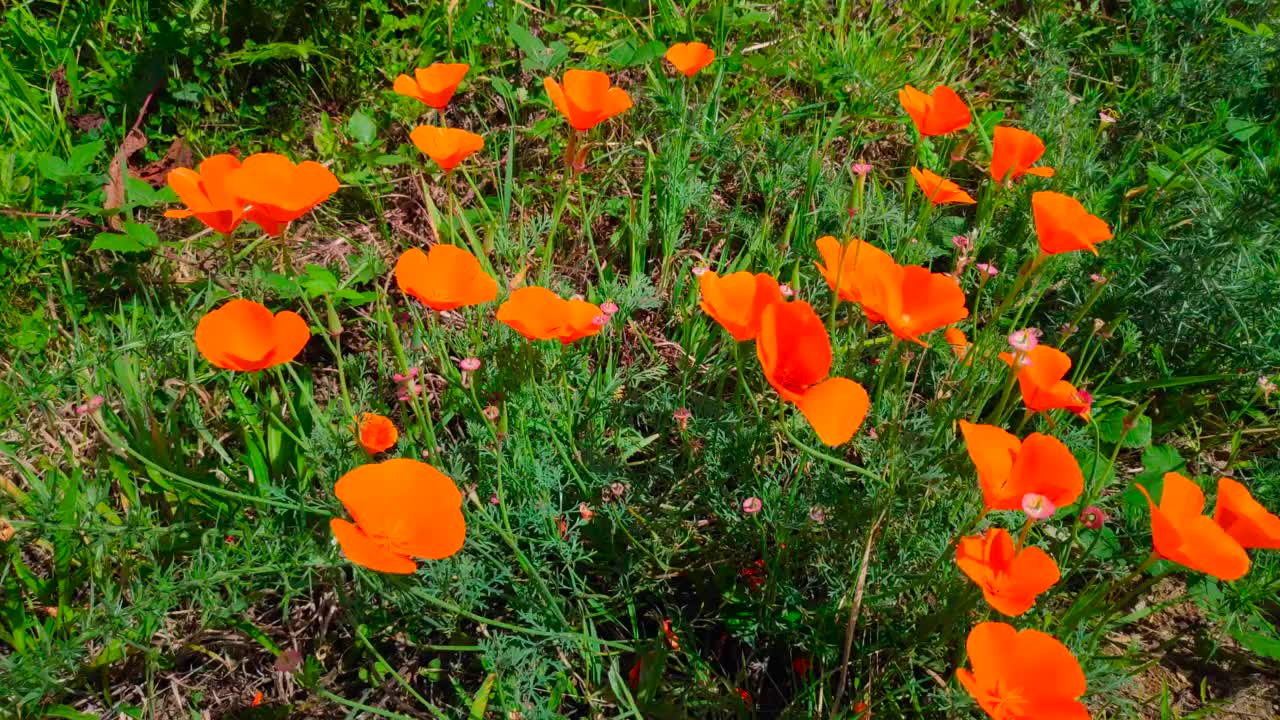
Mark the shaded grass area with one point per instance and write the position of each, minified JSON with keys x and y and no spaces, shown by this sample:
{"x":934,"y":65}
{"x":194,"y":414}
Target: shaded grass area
{"x":172,"y":546}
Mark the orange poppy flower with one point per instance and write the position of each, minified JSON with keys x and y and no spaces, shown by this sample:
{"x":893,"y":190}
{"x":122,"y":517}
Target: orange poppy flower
{"x":959,"y":343}
{"x":432,"y":85}
{"x":1180,"y":533}
{"x":539,"y":314}
{"x":1063,"y":225}
{"x":1009,"y":468}
{"x":1040,"y":378}
{"x":445,"y":277}
{"x":689,"y":58}
{"x":403,"y":509}
{"x":277,"y":191}
{"x":939,"y":190}
{"x":795,"y":354}
{"x":1025,"y":675}
{"x":913,"y":301}
{"x":446,"y":146}
{"x":377,"y":433}
{"x":205,"y":194}
{"x":1244,"y":518}
{"x":939,"y":114}
{"x":586,"y":99}
{"x":860,"y":263}
{"x":737,"y":300}
{"x":1010,"y":581}
{"x":1013,"y":152}
{"x":243,"y":335}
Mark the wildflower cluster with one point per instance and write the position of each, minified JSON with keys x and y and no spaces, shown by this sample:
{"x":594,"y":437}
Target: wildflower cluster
{"x":404,"y":510}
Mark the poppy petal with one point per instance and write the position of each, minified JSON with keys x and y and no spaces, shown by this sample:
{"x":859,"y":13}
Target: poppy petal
{"x":236,"y":336}
{"x":534,"y":312}
{"x":1044,"y":466}
{"x":406,"y":85}
{"x":993,"y":451}
{"x":291,"y":335}
{"x":1244,"y":518}
{"x":835,"y":408}
{"x":557,"y":96}
{"x":362,"y":550}
{"x":1042,"y":668}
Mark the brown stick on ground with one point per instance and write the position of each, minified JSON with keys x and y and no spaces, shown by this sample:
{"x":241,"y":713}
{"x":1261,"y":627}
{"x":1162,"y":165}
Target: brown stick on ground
{"x":854,"y":610}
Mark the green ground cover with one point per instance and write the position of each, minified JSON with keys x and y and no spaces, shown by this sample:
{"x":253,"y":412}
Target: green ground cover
{"x":167,"y":552}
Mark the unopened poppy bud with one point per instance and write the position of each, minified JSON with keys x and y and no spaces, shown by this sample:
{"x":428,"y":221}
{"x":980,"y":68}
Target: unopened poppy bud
{"x":1093,"y":518}
{"x":1037,"y":507}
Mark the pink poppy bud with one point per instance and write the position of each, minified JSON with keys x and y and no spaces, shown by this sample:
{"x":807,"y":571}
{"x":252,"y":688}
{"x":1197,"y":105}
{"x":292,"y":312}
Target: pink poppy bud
{"x":751,"y":505}
{"x":1093,"y":518}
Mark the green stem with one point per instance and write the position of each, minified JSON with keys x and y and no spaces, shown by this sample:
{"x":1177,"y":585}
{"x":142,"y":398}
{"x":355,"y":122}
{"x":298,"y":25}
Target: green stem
{"x":828,"y":458}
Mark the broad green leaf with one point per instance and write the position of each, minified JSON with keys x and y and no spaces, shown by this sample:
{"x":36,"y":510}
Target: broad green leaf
{"x":361,"y":128}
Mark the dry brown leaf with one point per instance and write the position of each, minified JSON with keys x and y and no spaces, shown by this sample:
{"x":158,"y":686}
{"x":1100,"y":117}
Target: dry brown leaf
{"x":133,"y":142}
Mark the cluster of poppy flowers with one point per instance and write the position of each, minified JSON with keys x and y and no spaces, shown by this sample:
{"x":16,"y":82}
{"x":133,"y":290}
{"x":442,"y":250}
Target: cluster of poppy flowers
{"x":403,"y":509}
{"x":266,"y":189}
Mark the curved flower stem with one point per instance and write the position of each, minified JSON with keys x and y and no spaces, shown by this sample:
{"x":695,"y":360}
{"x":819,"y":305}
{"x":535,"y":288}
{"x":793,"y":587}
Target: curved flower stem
{"x":1022,"y":536}
{"x":828,"y":458}
{"x":435,"y":711}
{"x":330,"y":337}
{"x":432,"y":600}
{"x":742,"y":378}
{"x":854,"y":609}
{"x":509,"y":537}
{"x":549,"y":248}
